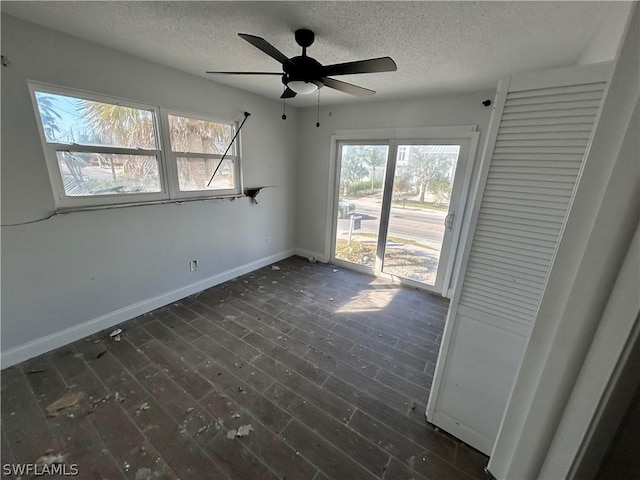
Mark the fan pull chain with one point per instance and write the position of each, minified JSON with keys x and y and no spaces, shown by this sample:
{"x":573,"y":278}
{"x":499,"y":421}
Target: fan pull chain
{"x":318,"y":115}
{"x":284,"y":106}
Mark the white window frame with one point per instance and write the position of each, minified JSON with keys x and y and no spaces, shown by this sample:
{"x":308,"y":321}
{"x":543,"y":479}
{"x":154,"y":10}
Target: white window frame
{"x":234,"y":154}
{"x":167,"y":166}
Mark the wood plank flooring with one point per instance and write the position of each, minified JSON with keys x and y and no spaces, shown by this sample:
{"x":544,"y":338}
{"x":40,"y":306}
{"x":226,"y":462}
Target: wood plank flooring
{"x":331,"y":368}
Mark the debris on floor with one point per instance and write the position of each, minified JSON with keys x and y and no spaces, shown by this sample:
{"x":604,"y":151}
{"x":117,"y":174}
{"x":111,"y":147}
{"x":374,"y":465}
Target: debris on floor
{"x":50,"y":458}
{"x":235,"y":415}
{"x":275,"y":267}
{"x":67,"y":400}
{"x":119,"y":398}
{"x":115,"y":335}
{"x":36,"y":370}
{"x":101,"y":353}
{"x":93,"y":405}
{"x":143,"y":473}
{"x":413,"y":405}
{"x":335,"y":270}
{"x":244,"y":430}
{"x":143,"y":407}
{"x":202,"y":429}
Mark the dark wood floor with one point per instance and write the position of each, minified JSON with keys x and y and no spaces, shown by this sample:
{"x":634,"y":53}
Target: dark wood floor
{"x":330,"y":368}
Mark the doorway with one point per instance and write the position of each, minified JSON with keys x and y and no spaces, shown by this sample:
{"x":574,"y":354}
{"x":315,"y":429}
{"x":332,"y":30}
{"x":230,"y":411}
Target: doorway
{"x":397,"y":207}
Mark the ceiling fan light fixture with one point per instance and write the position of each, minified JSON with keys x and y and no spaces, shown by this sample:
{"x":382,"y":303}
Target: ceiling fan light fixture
{"x":303,"y":88}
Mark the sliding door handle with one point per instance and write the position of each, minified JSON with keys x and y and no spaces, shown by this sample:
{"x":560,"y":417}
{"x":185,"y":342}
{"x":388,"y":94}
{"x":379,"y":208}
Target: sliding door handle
{"x":448,"y":221}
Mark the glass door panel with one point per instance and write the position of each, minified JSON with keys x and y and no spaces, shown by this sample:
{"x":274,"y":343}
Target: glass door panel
{"x":362,"y":169}
{"x":422,"y":191}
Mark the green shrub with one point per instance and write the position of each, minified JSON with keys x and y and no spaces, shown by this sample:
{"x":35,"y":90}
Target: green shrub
{"x":364,"y":188}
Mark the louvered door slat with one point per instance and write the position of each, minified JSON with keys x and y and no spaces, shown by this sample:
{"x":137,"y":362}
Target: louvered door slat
{"x":583,"y":120}
{"x":591,"y":94}
{"x":550,"y":105}
{"x":525,"y":243}
{"x":552,"y":91}
{"x":525,"y":285}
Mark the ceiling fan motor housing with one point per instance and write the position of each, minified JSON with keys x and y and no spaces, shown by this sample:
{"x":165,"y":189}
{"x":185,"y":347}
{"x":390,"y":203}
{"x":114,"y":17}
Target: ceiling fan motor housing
{"x":302,"y":69}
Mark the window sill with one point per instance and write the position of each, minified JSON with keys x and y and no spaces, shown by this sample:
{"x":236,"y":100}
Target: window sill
{"x":178,"y":201}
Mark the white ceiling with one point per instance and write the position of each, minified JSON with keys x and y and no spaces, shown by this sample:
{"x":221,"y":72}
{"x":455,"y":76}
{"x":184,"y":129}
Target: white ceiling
{"x":439,"y":47}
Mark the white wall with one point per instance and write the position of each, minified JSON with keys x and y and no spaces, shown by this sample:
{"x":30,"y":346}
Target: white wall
{"x":314,"y":146}
{"x":605,"y":41}
{"x":110,"y":265}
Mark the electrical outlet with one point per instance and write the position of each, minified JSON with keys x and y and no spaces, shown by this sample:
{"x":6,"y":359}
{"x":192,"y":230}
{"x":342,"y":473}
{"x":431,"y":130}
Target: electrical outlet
{"x":193,"y":265}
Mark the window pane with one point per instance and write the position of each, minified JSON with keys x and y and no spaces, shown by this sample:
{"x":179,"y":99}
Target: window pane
{"x":85,"y":173}
{"x":195,"y":173}
{"x":74,"y":120}
{"x":199,"y":136}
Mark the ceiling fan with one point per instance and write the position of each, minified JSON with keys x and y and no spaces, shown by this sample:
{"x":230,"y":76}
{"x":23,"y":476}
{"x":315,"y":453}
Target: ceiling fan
{"x":303,"y":74}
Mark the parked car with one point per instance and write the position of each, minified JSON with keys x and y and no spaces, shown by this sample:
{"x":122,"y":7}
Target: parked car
{"x":346,"y":209}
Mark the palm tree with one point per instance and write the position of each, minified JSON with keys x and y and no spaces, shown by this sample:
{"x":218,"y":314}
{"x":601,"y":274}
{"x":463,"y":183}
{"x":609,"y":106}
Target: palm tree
{"x":49,"y":115}
{"x":191,"y":135}
{"x":373,"y":157}
{"x":122,"y":126}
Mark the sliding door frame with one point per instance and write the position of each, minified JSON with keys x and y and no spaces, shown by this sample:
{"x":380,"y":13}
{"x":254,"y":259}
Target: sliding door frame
{"x":467,"y":135}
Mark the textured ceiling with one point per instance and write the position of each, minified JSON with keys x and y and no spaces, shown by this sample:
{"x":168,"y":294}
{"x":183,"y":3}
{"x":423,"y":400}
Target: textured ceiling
{"x":439,"y":47}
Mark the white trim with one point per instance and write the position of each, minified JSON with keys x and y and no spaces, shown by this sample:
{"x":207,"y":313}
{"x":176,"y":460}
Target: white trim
{"x":454,"y":131}
{"x":601,"y":375}
{"x":462,"y":219}
{"x":45,"y":344}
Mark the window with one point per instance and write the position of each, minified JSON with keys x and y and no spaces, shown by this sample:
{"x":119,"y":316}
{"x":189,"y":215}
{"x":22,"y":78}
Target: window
{"x":101,"y":151}
{"x":197,"y":147}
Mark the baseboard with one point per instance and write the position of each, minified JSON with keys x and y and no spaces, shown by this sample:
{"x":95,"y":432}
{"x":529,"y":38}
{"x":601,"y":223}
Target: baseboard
{"x":45,"y":344}
{"x":319,"y":257}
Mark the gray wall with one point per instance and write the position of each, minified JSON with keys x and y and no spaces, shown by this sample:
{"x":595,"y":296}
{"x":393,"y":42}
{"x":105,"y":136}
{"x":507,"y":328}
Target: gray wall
{"x":109,"y":265}
{"x":314,"y":146}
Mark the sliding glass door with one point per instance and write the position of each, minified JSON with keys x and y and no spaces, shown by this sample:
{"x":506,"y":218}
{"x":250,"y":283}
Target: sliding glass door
{"x":395,"y":208}
{"x":420,"y":201}
{"x":359,"y":202}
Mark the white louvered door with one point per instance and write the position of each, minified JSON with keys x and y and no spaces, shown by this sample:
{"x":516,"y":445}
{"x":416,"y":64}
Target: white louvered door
{"x":539,"y":133}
